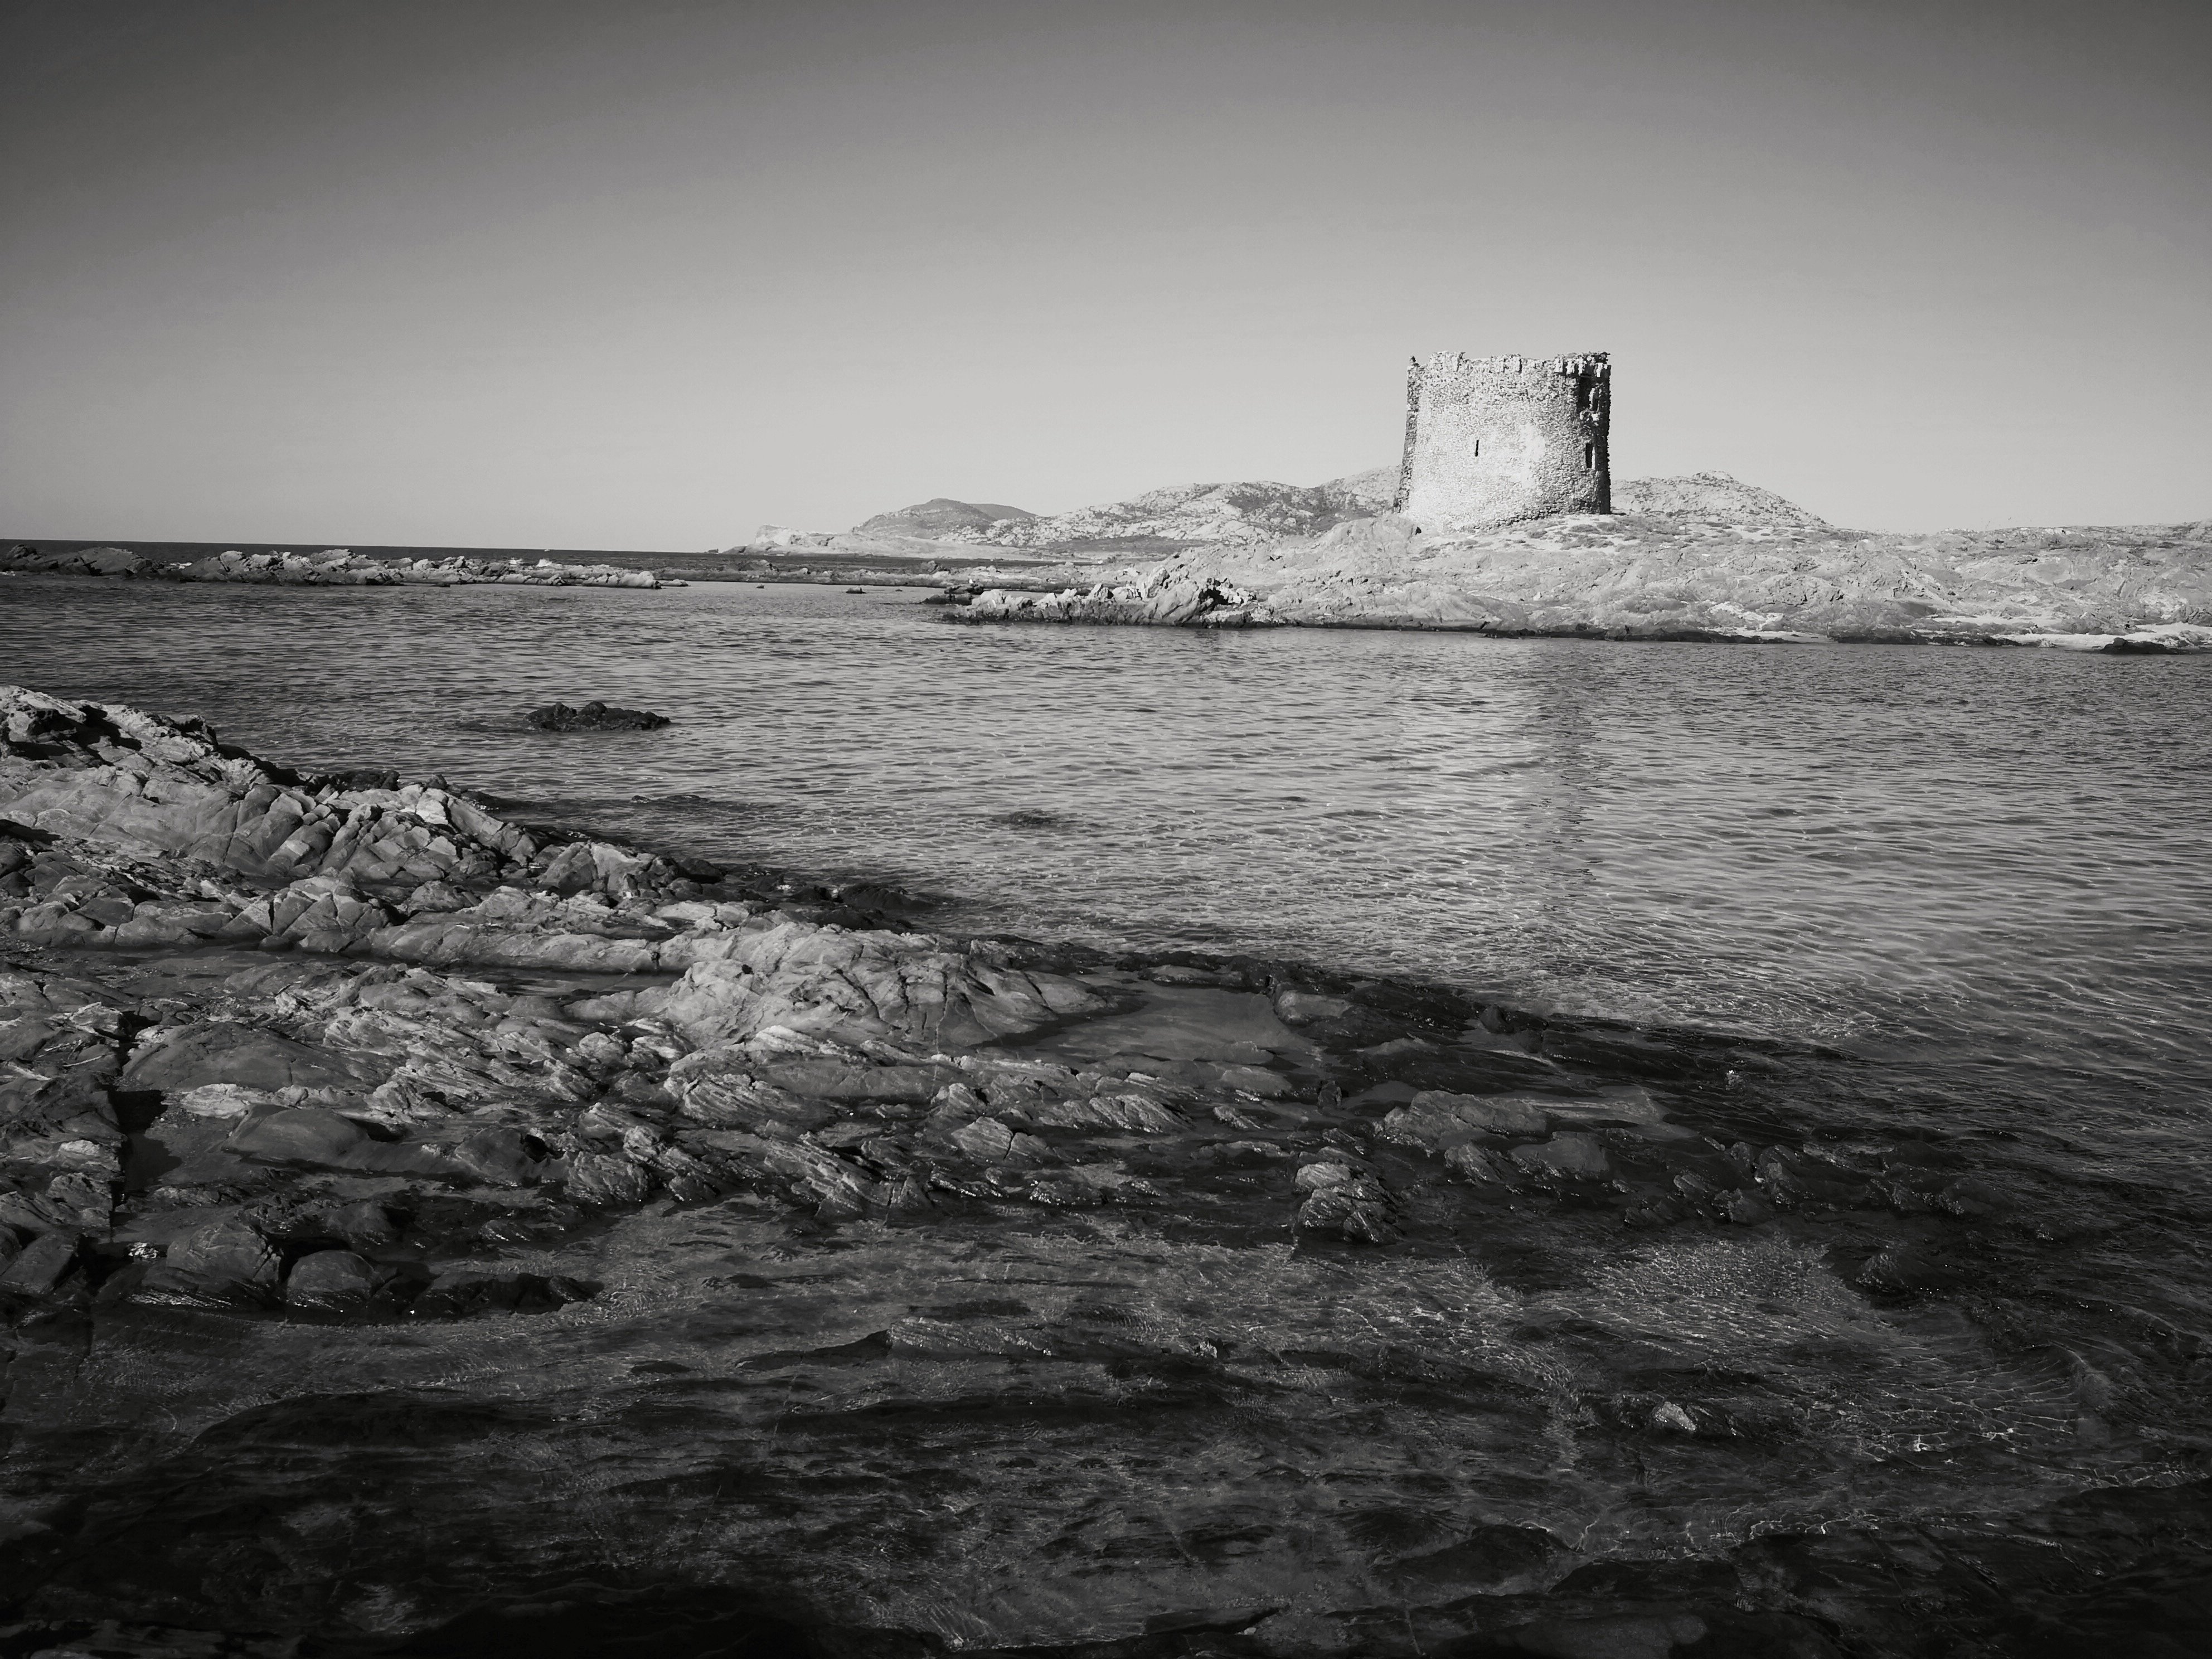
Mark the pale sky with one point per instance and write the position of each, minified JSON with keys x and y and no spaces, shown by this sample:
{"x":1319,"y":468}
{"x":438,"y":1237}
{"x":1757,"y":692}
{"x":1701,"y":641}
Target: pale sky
{"x":646,"y":275}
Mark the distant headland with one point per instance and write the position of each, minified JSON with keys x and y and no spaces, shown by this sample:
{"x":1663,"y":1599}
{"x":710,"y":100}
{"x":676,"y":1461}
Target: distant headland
{"x":1502,"y":516}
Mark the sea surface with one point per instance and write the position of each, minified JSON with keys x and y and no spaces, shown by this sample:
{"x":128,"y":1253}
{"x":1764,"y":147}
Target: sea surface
{"x":1900,"y":909}
{"x":1982,"y":878}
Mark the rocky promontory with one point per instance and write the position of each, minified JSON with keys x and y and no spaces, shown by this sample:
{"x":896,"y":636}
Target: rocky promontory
{"x":1698,"y":557}
{"x":422,"y":1233}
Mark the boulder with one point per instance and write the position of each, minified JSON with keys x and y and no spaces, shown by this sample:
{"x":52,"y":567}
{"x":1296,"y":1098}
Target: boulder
{"x":364,"y":1224}
{"x":990,"y":1141}
{"x":1438,"y":1120}
{"x":1576,"y":1156}
{"x":75,"y":1202}
{"x":604,"y":1180}
{"x":224,"y":1254}
{"x":336,"y":1280}
{"x":221,"y":1261}
{"x":497,"y":1156}
{"x":594,"y":717}
{"x":41,"y":1266}
{"x":300,"y":1135}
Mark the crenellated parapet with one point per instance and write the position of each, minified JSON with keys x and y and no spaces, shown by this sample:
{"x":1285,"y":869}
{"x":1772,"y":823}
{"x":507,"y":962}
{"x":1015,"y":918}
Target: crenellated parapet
{"x":1495,"y":440}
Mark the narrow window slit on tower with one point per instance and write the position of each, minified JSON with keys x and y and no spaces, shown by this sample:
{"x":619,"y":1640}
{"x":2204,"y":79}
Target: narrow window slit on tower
{"x":1589,"y":457}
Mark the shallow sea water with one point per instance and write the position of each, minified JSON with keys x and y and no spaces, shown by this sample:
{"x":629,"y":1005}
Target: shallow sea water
{"x":1956,"y":894}
{"x":1987,"y":872}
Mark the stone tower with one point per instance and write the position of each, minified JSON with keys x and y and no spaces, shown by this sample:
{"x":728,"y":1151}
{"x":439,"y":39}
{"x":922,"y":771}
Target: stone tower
{"x":1492,"y":441}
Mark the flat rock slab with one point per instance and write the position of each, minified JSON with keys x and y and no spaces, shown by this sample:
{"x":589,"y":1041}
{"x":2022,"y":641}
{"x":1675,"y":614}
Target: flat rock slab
{"x":223,"y":1051}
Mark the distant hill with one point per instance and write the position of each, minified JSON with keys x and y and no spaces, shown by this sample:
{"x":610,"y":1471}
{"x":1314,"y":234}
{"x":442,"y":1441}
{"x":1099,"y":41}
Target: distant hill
{"x":1237,"y":515}
{"x":939,"y":517}
{"x":1259,"y":512}
{"x":1712,"y":495}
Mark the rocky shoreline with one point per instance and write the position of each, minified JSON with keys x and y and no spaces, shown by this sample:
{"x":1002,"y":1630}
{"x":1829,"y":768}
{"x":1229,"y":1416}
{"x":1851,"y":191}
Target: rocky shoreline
{"x":335,"y":567}
{"x":1676,"y":575}
{"x":425,"y":1233}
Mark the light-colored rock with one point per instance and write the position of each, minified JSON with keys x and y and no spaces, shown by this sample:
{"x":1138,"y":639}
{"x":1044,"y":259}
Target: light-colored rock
{"x":1766,"y":570}
{"x":1438,"y":1120}
{"x":221,"y":1100}
{"x":852,"y":987}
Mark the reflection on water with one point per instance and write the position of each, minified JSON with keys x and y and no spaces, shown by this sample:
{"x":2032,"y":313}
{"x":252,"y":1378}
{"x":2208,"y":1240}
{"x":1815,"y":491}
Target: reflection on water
{"x":1986,"y":870}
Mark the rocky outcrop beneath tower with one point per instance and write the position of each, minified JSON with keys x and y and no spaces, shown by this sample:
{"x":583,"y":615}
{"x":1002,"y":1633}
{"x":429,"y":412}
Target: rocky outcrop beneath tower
{"x":1697,"y":557}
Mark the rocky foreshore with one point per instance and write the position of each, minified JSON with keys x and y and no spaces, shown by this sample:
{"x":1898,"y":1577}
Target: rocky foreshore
{"x":335,"y":567}
{"x":1694,"y":568}
{"x":420,"y":1233}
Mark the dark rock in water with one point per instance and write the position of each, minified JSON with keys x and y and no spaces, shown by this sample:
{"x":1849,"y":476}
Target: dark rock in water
{"x":594,"y":717}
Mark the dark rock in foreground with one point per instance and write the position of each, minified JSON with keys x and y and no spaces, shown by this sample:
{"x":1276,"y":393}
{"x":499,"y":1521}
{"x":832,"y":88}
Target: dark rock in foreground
{"x":594,"y":717}
{"x":419,"y":1235}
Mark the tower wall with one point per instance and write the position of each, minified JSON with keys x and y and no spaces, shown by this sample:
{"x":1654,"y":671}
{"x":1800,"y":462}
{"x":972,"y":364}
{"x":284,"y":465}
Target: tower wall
{"x":1492,"y":441}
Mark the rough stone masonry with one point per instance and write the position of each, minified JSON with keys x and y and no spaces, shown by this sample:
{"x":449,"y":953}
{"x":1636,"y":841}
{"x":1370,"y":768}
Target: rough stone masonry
{"x":1495,"y":440}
